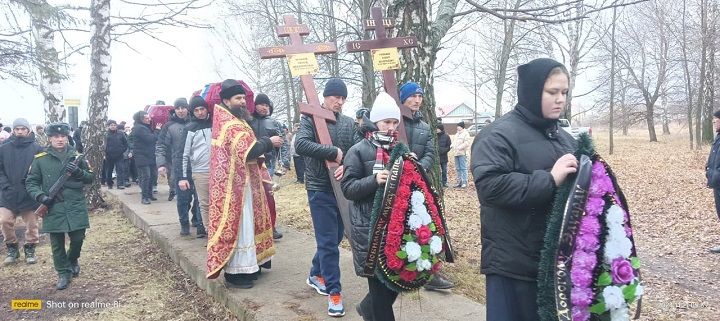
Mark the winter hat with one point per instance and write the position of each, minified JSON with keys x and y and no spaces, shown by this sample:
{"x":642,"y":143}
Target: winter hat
{"x":230,"y":88}
{"x":181,"y":102}
{"x":461,"y":124}
{"x":531,"y":81}
{"x":138,"y":117}
{"x":384,"y":107}
{"x":110,"y":122}
{"x":197,"y":101}
{"x":408,"y":89}
{"x":21,"y":122}
{"x":263,"y":99}
{"x":58,"y":129}
{"x":335,"y":87}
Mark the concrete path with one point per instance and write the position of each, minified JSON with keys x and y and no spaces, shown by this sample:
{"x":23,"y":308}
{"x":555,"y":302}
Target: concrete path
{"x":281,"y":294}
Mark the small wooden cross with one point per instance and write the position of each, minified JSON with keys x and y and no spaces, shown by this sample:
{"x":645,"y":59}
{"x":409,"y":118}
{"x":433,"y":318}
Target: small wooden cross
{"x":380,"y":25}
{"x":312,"y":108}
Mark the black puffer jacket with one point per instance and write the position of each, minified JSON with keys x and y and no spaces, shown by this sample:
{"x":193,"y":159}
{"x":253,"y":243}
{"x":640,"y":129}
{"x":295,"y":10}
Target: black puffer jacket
{"x":143,"y":143}
{"x":115,"y":144}
{"x":16,"y":156}
{"x":420,"y":140}
{"x":171,"y":143}
{"x":712,"y":167}
{"x":511,"y":163}
{"x":444,"y":144}
{"x":266,"y":126}
{"x":342,"y":134}
{"x":359,"y":187}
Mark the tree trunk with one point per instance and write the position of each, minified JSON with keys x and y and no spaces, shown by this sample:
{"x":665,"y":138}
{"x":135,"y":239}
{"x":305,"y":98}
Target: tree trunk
{"x":686,"y":73}
{"x":94,"y":132}
{"x":576,"y":28}
{"x":708,"y":109}
{"x":501,"y":75}
{"x":650,"y":119}
{"x":703,"y":67}
{"x":48,"y":61}
{"x":612,"y":81}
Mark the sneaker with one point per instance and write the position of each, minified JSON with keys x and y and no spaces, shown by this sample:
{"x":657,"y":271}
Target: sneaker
{"x":317,"y":283}
{"x":153,"y":198}
{"x":715,"y":249}
{"x":463,"y":185}
{"x":335,"y":305}
{"x":146,"y":201}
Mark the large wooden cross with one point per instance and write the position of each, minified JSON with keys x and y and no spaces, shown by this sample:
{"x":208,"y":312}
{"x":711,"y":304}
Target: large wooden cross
{"x":380,"y":25}
{"x":312,"y":108}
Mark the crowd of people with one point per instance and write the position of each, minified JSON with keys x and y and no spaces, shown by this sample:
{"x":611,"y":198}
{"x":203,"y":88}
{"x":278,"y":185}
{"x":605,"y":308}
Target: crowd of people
{"x":220,"y":161}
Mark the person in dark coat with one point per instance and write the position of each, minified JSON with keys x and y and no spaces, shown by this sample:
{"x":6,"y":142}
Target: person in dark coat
{"x":359,"y":185}
{"x":67,"y":215}
{"x":169,"y":148}
{"x":115,"y":146}
{"x":327,"y":223}
{"x":143,"y":151}
{"x":517,"y":163}
{"x":77,"y":137}
{"x":263,"y":125}
{"x":444,"y":143}
{"x":16,"y":155}
{"x":712,"y":169}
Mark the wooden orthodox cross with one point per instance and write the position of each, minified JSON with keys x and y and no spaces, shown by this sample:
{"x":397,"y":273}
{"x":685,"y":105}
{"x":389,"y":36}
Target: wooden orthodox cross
{"x":382,"y":42}
{"x":301,"y":58}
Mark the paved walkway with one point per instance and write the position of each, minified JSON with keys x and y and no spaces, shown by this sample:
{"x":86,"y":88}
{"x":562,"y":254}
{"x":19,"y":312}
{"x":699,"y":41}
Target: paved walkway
{"x":281,"y":294}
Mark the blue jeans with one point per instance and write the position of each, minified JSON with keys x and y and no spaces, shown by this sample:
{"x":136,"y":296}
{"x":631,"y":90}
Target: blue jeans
{"x":461,"y":168}
{"x":328,"y":233}
{"x":184,"y":200}
{"x":443,"y":167}
{"x":270,"y":164}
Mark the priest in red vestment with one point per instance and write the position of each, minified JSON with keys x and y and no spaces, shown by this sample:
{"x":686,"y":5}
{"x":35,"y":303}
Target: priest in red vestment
{"x":240,"y":231}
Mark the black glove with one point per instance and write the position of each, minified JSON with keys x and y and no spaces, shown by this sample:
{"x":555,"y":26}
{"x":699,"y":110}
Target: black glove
{"x":45,"y":200}
{"x":73,"y":169}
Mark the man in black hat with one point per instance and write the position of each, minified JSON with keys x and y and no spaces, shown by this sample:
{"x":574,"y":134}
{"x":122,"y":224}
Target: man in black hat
{"x":168,"y":157}
{"x":325,"y":271}
{"x":115,"y":146}
{"x":67,"y":215}
{"x":264,"y":125}
{"x":246,"y":244}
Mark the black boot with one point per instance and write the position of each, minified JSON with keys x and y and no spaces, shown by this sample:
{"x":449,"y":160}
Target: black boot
{"x":146,"y":201}
{"x":201,"y":233}
{"x":30,"y":253}
{"x":171,"y":196}
{"x":75,"y":268}
{"x":276,"y":235}
{"x":63,"y":282}
{"x":242,"y":281}
{"x":184,"y":229}
{"x":363,"y":309}
{"x":439,"y":282}
{"x":12,"y":253}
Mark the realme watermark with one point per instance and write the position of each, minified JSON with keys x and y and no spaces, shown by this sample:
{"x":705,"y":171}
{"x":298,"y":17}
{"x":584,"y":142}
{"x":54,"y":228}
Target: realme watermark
{"x":26,"y":304}
{"x":65,"y":305}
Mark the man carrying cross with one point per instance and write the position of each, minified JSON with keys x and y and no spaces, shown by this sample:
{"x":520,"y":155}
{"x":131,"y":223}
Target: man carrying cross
{"x":325,"y":272}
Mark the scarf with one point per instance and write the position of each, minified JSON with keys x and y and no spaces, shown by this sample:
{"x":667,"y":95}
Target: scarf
{"x":384,"y":142}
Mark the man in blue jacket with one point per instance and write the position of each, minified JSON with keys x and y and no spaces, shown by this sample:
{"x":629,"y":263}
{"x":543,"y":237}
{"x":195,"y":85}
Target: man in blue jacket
{"x":712,"y":169}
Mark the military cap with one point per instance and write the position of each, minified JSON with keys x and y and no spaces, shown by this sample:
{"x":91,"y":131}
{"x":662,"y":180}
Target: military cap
{"x":58,"y":129}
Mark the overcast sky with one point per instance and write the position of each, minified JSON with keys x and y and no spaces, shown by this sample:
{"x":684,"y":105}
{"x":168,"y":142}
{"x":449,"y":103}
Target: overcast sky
{"x":155,"y":71}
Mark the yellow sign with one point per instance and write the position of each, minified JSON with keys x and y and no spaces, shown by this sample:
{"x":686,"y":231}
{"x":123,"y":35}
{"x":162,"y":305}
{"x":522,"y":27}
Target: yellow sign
{"x":26,"y":304}
{"x":303,"y":64}
{"x":72,"y":102}
{"x":385,"y":59}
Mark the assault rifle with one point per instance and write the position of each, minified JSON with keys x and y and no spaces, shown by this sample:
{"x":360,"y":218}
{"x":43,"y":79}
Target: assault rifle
{"x":55,"y":192}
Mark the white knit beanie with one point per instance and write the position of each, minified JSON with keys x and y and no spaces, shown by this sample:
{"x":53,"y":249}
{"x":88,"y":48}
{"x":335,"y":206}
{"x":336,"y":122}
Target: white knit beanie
{"x":384,"y":107}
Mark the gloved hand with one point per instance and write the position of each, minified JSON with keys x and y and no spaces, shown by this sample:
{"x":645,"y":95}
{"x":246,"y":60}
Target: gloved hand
{"x":73,"y":169}
{"x":45,"y":200}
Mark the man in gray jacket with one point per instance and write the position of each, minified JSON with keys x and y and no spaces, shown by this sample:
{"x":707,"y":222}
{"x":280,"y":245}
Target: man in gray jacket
{"x":194,"y":175}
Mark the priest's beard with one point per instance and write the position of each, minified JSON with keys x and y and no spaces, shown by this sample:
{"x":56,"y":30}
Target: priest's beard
{"x":240,"y":112}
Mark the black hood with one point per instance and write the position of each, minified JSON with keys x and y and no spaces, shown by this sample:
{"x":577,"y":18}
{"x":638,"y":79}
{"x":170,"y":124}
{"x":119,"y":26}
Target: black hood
{"x":138,"y":117}
{"x":531,"y":81}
